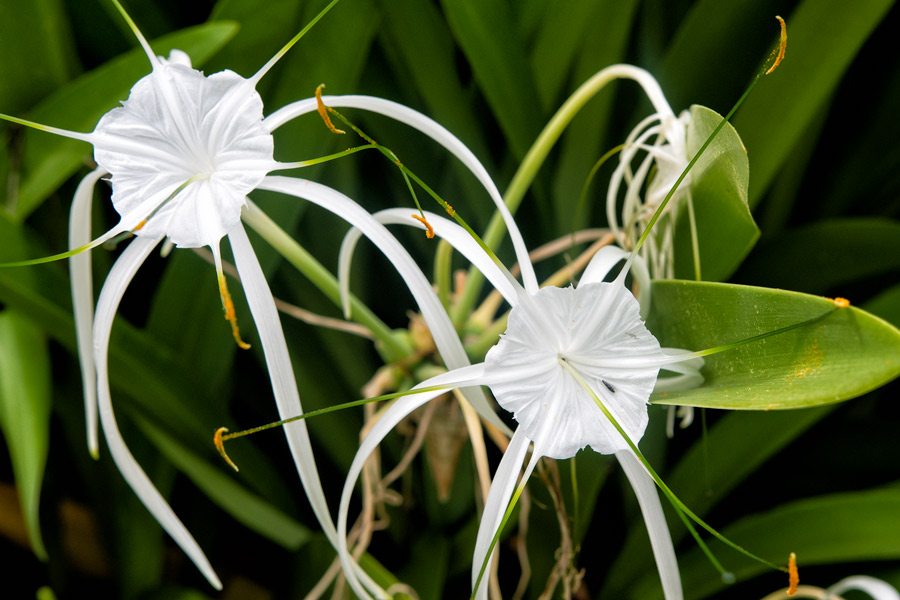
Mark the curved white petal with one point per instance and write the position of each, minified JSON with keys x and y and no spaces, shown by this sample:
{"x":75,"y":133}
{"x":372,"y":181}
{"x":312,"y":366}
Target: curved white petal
{"x":878,"y":589}
{"x":660,"y":538}
{"x":495,"y":507}
{"x":608,"y":257}
{"x":436,"y":132}
{"x":443,"y":228}
{"x":400,"y":409}
{"x":113,"y":288}
{"x":83,"y":298}
{"x":442,"y":330}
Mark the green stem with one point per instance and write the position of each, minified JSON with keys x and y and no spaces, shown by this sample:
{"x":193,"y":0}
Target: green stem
{"x":443,"y":272}
{"x":526,"y":173}
{"x":392,"y":349}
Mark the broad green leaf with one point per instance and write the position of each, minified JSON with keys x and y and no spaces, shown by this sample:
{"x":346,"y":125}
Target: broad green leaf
{"x":25,"y":412}
{"x":49,"y":160}
{"x":719,"y":182}
{"x":826,"y":256}
{"x":838,"y":528}
{"x":823,"y":38}
{"x":486,"y":33}
{"x":37,"y":50}
{"x":738,"y":446}
{"x":248,"y":508}
{"x":842,"y":355}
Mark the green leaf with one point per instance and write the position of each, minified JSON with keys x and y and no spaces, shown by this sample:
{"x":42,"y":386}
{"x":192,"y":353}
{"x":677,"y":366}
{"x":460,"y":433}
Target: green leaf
{"x":738,"y":446}
{"x":246,"y":507}
{"x":719,"y":183}
{"x":823,"y":38}
{"x":824,"y":530}
{"x":841,"y":356}
{"x":826,"y":255}
{"x":25,"y":413}
{"x":37,"y":50}
{"x":49,"y":160}
{"x":487,"y":35}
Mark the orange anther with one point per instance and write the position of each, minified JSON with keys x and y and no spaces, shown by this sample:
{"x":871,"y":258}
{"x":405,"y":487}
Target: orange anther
{"x":220,"y":446}
{"x":230,"y":316}
{"x":429,"y":230}
{"x":139,"y":225}
{"x":323,"y":111}
{"x":782,"y":46}
{"x":841,"y":302}
{"x":450,"y":210}
{"x":793,"y":575}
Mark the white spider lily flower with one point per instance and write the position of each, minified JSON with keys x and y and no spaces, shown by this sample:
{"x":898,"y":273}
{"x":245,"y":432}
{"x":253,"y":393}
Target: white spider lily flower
{"x":659,"y":145}
{"x":559,"y":343}
{"x":183,"y":152}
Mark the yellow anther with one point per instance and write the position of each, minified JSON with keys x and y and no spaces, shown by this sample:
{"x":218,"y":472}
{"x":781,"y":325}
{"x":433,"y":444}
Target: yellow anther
{"x":782,"y":46}
{"x":323,"y":111}
{"x":220,"y":446}
{"x":793,"y":575}
{"x":841,"y":302}
{"x":450,"y":210}
{"x":140,"y":225}
{"x":429,"y":230}
{"x":230,"y":316}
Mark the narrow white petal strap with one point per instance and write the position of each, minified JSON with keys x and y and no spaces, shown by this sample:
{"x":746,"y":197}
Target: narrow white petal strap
{"x":502,"y":487}
{"x":436,"y":132}
{"x":284,"y":386}
{"x":608,"y":257}
{"x":117,"y":281}
{"x":444,"y":228}
{"x":400,"y":409}
{"x":442,"y":330}
{"x":81,"y":281}
{"x":657,"y":528}
{"x":878,"y":589}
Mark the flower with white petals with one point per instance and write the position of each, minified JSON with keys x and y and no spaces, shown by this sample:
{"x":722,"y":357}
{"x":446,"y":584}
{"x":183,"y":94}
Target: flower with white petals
{"x":659,"y":145}
{"x":566,"y":352}
{"x":183,"y":151}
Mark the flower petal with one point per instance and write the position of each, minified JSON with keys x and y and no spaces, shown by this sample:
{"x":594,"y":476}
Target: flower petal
{"x":113,"y":288}
{"x":660,"y":538}
{"x":608,"y":257}
{"x":393,"y":415}
{"x":878,"y":589}
{"x":439,"y":134}
{"x":83,"y":299}
{"x":444,"y":228}
{"x":495,"y":507}
{"x":442,"y":330}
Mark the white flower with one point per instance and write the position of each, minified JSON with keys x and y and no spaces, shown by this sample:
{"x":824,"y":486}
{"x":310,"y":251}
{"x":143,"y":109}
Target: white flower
{"x":659,"y":142}
{"x":562,"y":348}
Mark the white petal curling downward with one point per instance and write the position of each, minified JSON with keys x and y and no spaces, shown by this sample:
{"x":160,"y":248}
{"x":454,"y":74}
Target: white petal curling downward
{"x":876,"y":588}
{"x":179,"y":126}
{"x":119,"y":277}
{"x":582,"y":326}
{"x":83,"y":299}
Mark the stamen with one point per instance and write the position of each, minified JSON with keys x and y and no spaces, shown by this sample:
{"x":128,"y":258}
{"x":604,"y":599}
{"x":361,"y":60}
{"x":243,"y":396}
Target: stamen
{"x":450,"y":210}
{"x":228,"y":307}
{"x":154,"y":61}
{"x":323,"y":111}
{"x":429,"y":230}
{"x":782,"y":46}
{"x":793,"y":575}
{"x":841,"y":302}
{"x":220,"y":446}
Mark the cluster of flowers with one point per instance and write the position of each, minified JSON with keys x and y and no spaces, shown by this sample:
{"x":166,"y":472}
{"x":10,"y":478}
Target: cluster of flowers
{"x":576,"y":365}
